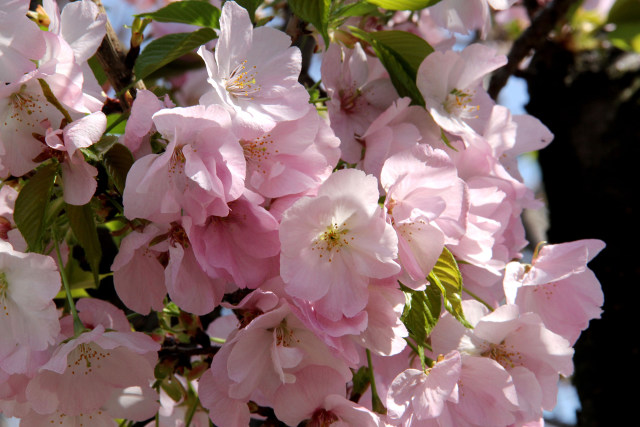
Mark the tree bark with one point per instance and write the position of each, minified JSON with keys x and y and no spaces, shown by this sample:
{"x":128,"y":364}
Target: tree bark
{"x":591,"y":102}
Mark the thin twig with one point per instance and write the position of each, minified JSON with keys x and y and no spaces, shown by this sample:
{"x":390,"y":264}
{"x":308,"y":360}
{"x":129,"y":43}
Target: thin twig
{"x":531,"y":38}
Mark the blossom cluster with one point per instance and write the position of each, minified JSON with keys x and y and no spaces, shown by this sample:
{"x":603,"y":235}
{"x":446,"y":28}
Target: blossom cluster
{"x":362,"y":239}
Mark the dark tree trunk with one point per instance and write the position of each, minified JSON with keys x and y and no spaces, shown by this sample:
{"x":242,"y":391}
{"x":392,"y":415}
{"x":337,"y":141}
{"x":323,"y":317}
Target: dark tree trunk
{"x":591,"y":102}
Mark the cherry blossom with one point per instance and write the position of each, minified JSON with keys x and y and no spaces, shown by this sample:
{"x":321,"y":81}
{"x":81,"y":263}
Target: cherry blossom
{"x":450,"y":83}
{"x":196,"y":174}
{"x":332,"y":244}
{"x":29,"y":319}
{"x":358,"y":95}
{"x":558,"y":287}
{"x":254,"y":72}
{"x":21,"y":41}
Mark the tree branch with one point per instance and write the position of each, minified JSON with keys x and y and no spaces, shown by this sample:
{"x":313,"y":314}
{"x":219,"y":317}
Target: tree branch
{"x":531,"y":38}
{"x":112,"y":58}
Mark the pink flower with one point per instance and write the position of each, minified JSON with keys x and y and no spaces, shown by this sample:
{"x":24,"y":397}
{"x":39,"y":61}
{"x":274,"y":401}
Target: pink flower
{"x":318,"y":395}
{"x":242,"y":247}
{"x":188,"y":285}
{"x":558,"y":286}
{"x":398,"y":128}
{"x":266,"y":353}
{"x":138,"y":274}
{"x":332,"y":244}
{"x":424,"y":394}
{"x":140,"y":125}
{"x":450,"y":83}
{"x":357,"y":95}
{"x":78,"y":176}
{"x":254,"y":72}
{"x":28,"y":315}
{"x":74,"y":36}
{"x":292,"y":157}
{"x":486,"y":396}
{"x":84,"y":372}
{"x":428,"y":205}
{"x":512,"y":340}
{"x":197,"y":175}
{"x":24,"y":111}
{"x":21,"y":40}
{"x":8,"y":228}
{"x":464,"y":16}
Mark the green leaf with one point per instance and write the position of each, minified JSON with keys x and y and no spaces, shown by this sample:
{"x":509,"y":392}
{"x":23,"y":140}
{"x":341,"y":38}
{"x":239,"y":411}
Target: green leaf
{"x":446,"y":276}
{"x":401,"y":54}
{"x":354,"y":9}
{"x":409,"y":47}
{"x":98,"y":72}
{"x":117,"y":122}
{"x":251,"y":6}
{"x":421,"y":312}
{"x":77,"y":277}
{"x":31,"y":205}
{"x":315,"y":12}
{"x":117,"y":161}
{"x":200,"y":13}
{"x":625,"y":15}
{"x":162,"y":51}
{"x":360,"y":382}
{"x":404,"y":4}
{"x":173,"y":389}
{"x":83,"y":225}
{"x":624,"y":11}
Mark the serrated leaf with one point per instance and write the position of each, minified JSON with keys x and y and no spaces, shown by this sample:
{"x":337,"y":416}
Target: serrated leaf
{"x":103,"y":145}
{"x":162,"y":51}
{"x":354,"y":9}
{"x":117,"y":161}
{"x":404,"y":4}
{"x":199,"y":13}
{"x":31,"y":206}
{"x":409,"y":47}
{"x":83,"y":225}
{"x":402,"y":71}
{"x":314,"y":11}
{"x":447,"y":277}
{"x":421,"y":312}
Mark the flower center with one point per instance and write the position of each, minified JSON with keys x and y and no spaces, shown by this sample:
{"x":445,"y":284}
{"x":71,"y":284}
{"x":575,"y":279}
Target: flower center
{"x":4,"y":288}
{"x":348,"y":99}
{"x":322,"y":418}
{"x":258,"y":151}
{"x":458,"y":103}
{"x":26,"y":110}
{"x":241,"y":83}
{"x":332,"y":240}
{"x":85,"y":357}
{"x":508,"y":358}
{"x":284,"y":335}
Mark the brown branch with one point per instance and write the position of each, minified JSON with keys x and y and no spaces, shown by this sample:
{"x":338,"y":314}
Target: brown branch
{"x":113,"y":60}
{"x":531,"y":38}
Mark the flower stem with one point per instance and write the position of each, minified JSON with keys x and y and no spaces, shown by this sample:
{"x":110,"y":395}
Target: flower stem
{"x":78,"y":327}
{"x":477,"y":298}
